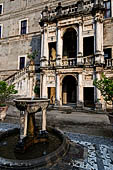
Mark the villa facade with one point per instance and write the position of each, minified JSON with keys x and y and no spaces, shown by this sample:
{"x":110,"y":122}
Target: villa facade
{"x":74,"y":40}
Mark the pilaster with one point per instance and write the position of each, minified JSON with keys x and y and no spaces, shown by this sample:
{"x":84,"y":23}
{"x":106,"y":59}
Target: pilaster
{"x":111,"y":8}
{"x":99,"y":59}
{"x":57,"y":89}
{"x":80,"y":45}
{"x":44,"y":48}
{"x":59,"y":47}
{"x":44,"y":87}
{"x":80,"y":91}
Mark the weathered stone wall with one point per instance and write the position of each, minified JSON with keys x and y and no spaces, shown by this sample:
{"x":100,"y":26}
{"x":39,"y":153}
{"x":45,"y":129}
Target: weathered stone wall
{"x":108,"y":32}
{"x":12,"y":44}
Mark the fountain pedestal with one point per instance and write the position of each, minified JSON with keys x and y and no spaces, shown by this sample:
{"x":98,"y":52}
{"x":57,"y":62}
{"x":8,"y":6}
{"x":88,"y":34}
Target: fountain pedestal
{"x":28,"y":133}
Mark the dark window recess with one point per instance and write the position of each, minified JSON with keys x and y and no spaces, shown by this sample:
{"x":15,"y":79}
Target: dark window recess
{"x":107,"y":53}
{"x":70,"y":43}
{"x":88,"y":46}
{"x":0,"y":9}
{"x":107,"y":5}
{"x":89,"y":99}
{"x":24,"y":27}
{"x":22,"y":62}
{"x":0,"y":32}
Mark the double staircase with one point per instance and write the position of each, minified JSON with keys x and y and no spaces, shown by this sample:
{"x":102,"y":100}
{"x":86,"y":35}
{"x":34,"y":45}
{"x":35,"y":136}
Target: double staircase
{"x":24,"y":81}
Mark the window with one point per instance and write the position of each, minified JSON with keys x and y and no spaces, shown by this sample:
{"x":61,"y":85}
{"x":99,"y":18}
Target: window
{"x":23,"y":27}
{"x":1,"y":8}
{"x":22,"y":62}
{"x":107,"y":5}
{"x":107,"y":53}
{"x":0,"y":31}
{"x":108,"y":56}
{"x":88,"y":46}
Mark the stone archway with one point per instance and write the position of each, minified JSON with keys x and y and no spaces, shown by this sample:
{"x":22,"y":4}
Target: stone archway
{"x":69,"y":90}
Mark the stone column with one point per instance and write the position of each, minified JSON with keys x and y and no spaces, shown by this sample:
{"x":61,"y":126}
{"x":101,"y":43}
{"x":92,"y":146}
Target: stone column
{"x":44,"y":87}
{"x":57,"y":96}
{"x":98,"y":103}
{"x":99,"y":40}
{"x":44,"y":48}
{"x":111,"y":8}
{"x":58,"y":47}
{"x":31,"y":125}
{"x":98,"y":36}
{"x":42,"y":39}
{"x":43,"y":118}
{"x":80,"y":45}
{"x":80,"y":91}
{"x":98,"y":91}
{"x":23,"y":124}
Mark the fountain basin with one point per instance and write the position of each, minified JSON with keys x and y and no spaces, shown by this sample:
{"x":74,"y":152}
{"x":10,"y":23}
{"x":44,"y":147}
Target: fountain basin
{"x":31,"y":105}
{"x":49,"y":158}
{"x":28,"y":133}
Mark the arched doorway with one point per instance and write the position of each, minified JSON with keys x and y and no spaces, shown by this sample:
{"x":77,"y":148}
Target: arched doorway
{"x":70,"y":43}
{"x":69,"y":90}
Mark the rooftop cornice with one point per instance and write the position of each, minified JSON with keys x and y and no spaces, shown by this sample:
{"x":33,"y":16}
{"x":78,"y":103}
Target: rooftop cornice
{"x":79,"y":8}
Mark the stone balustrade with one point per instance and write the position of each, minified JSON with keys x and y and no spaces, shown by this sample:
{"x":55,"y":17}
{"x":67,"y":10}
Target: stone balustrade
{"x":69,"y":62}
{"x":109,"y":62}
{"x":24,"y":80}
{"x":89,"y":60}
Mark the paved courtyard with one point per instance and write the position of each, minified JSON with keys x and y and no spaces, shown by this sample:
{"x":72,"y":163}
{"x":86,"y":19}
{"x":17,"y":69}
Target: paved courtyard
{"x":89,"y":131}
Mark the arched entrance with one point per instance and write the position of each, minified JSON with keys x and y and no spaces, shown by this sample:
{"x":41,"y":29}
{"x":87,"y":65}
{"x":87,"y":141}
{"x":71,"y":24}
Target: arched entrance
{"x":69,"y":90}
{"x":70,"y":43}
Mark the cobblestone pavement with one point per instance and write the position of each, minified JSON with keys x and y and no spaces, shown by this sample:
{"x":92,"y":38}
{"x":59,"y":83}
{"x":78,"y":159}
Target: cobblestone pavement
{"x":98,"y":152}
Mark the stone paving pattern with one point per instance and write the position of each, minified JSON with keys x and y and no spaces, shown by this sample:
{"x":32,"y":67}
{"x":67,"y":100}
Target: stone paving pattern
{"x":86,"y":152}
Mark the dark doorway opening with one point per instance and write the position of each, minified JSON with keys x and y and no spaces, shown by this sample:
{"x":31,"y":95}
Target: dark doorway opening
{"x":51,"y":94}
{"x":70,"y":43}
{"x":89,"y":96}
{"x":88,"y":46}
{"x":69,"y":90}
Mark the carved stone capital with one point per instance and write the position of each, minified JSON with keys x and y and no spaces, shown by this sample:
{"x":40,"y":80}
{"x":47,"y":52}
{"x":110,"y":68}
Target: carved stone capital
{"x":44,"y":106}
{"x":99,"y":18}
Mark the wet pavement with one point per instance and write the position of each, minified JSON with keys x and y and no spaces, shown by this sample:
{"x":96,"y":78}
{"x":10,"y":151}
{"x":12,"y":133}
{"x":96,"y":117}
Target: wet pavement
{"x":90,"y":135}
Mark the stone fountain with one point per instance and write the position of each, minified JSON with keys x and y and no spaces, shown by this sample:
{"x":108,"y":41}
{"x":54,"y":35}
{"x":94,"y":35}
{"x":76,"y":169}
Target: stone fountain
{"x":31,"y":147}
{"x":28,"y":134}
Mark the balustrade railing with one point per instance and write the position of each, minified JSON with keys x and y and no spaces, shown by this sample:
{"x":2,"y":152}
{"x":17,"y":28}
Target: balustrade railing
{"x":69,"y":62}
{"x":109,"y":62}
{"x":89,"y":60}
{"x":16,"y":76}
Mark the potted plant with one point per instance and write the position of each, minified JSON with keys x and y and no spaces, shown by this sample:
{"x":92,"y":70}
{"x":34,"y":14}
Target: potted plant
{"x":32,"y":57}
{"x":105,"y":85}
{"x":6,"y":92}
{"x":37,"y":89}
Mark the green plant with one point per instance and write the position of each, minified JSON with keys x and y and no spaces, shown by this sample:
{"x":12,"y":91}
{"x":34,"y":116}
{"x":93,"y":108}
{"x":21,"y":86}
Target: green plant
{"x":33,"y":55}
{"x":105,"y":85}
{"x":37,"y":89}
{"x":5,"y":92}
